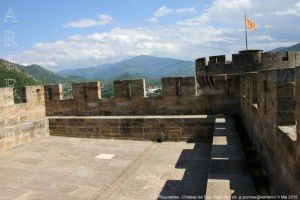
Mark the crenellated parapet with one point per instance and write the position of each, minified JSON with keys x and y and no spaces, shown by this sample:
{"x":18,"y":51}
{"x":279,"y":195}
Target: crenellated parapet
{"x":130,"y":88}
{"x":86,"y":91}
{"x":34,"y":95}
{"x":261,"y":88}
{"x":278,"y":87}
{"x":24,"y":122}
{"x":276,"y":60}
{"x":211,"y":66}
{"x":267,"y":86}
{"x":53,"y":92}
{"x":179,"y":96}
{"x":212,"y":74}
{"x":179,"y":86}
{"x":269,"y":110}
{"x":31,"y":95}
{"x":244,"y":61}
{"x":81,"y":92}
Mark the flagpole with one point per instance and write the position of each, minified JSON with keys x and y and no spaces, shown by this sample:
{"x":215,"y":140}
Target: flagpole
{"x":246,"y":32}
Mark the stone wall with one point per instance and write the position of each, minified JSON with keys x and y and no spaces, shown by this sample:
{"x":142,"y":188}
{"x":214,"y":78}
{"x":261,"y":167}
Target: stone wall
{"x":204,"y":104}
{"x":268,"y":111}
{"x":83,"y":91}
{"x":130,"y":88}
{"x":276,"y":60}
{"x":155,"y":128}
{"x":244,"y":61}
{"x":263,"y":88}
{"x":217,"y":68}
{"x":179,"y":86}
{"x":267,"y":86}
{"x":22,"y":123}
{"x":297,"y":98}
{"x":167,"y":104}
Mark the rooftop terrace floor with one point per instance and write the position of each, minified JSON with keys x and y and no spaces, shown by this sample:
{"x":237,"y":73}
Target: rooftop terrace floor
{"x":73,"y":168}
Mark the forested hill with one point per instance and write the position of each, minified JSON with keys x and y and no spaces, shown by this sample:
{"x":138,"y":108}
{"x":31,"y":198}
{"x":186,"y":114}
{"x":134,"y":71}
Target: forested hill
{"x":18,"y":74}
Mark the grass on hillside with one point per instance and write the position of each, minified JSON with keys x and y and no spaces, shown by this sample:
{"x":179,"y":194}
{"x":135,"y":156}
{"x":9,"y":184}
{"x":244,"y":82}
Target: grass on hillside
{"x":21,"y":80}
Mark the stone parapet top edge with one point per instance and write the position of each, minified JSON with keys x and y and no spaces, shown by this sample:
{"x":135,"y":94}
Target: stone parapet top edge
{"x":133,"y":117}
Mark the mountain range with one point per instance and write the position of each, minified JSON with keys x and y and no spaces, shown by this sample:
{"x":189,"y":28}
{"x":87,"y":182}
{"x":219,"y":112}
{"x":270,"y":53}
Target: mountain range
{"x":145,"y":66}
{"x":149,"y":67}
{"x":140,"y":66}
{"x":283,"y":50}
{"x":49,"y":77}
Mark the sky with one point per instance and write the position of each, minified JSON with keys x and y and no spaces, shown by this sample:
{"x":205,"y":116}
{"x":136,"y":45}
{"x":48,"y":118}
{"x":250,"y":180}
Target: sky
{"x":59,"y":34}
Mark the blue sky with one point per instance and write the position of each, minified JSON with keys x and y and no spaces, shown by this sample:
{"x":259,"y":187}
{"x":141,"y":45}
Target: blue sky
{"x":77,"y":33}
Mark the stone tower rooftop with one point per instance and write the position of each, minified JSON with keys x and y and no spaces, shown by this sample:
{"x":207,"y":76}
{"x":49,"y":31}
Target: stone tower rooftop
{"x":231,"y":130}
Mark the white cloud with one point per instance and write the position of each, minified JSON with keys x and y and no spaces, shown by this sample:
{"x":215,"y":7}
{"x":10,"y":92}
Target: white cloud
{"x":268,"y":26}
{"x":220,"y":9}
{"x":219,"y":29}
{"x":162,"y":11}
{"x":258,"y":15}
{"x":186,"y":10}
{"x":153,"y":20}
{"x":84,"y":23}
{"x":171,"y":41}
{"x":294,"y":10}
{"x":97,"y":48}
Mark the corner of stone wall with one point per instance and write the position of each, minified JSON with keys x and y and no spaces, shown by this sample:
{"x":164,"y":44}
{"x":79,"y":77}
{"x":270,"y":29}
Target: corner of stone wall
{"x":25,"y":122}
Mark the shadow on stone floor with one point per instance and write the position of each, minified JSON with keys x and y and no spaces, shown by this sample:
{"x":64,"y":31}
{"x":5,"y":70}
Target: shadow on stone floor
{"x":196,"y":163}
{"x":220,"y":165}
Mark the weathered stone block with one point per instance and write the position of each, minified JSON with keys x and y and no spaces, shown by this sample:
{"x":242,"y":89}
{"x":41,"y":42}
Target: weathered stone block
{"x":217,"y":60}
{"x":21,"y":123}
{"x":53,"y":92}
{"x":297,"y":99}
{"x":286,"y":90}
{"x":6,"y":96}
{"x":86,"y":91}
{"x":130,"y":88}
{"x":152,"y":128}
{"x":34,"y":94}
{"x":286,"y":104}
{"x":179,"y":86}
{"x":286,"y":75}
{"x":275,"y":60}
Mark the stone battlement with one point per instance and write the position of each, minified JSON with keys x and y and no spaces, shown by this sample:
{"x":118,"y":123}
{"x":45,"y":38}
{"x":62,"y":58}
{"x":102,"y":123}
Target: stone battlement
{"x":268,"y":88}
{"x":179,"y":86}
{"x":130,"y":88}
{"x":179,"y":96}
{"x":126,"y":89}
{"x":21,"y":123}
{"x":246,"y":61}
{"x":261,"y":88}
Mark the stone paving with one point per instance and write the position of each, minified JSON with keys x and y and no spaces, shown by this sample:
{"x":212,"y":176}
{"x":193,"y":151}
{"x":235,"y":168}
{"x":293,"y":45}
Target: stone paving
{"x":73,"y":168}
{"x":229,"y":175}
{"x":64,"y":168}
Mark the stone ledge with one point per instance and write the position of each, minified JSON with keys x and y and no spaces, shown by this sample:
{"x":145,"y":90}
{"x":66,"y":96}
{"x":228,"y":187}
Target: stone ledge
{"x":154,"y":128}
{"x":134,"y":117}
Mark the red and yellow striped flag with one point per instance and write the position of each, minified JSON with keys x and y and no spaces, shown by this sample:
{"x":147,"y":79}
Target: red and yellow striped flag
{"x":250,"y":25}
